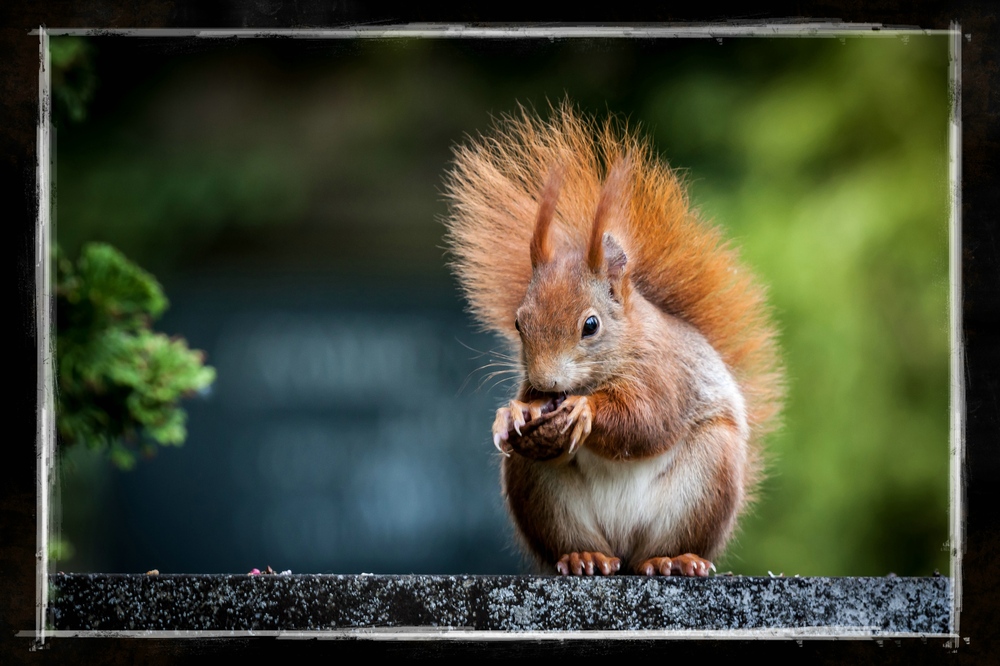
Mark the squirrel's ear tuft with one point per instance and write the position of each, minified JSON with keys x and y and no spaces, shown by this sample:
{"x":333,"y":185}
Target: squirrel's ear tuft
{"x":608,"y":204}
{"x":615,"y":260}
{"x":541,"y":249}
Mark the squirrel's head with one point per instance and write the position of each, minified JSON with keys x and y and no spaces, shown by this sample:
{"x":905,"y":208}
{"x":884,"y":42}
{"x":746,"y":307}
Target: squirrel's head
{"x":572,"y":320}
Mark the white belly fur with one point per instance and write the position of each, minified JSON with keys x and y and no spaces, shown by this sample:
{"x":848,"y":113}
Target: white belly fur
{"x":634,"y":507}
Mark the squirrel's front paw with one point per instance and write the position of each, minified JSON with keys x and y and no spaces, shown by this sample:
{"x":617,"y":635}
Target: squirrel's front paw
{"x":580,"y":419}
{"x":513,"y":418}
{"x":538,"y":429}
{"x":533,"y":429}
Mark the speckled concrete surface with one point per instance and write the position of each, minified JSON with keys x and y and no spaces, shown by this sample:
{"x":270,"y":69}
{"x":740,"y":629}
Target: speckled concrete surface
{"x":117,"y":602}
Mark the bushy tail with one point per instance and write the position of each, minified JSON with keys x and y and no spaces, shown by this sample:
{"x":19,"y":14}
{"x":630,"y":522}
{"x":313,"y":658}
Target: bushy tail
{"x":677,"y":261}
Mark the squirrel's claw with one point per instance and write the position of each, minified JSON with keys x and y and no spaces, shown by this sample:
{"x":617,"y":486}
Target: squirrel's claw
{"x":517,"y":409}
{"x":580,"y":418}
{"x":587,"y":564}
{"x":499,"y":441}
{"x":510,"y":418}
{"x":501,"y":430}
{"x":687,"y":564}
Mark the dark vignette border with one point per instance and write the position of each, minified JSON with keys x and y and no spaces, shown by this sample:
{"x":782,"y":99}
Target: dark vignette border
{"x":981,"y":324}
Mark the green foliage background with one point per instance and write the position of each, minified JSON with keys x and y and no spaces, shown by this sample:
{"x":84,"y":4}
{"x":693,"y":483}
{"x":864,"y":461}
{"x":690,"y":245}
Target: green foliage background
{"x":118,"y":383}
{"x":825,"y":159}
{"x":841,"y":204}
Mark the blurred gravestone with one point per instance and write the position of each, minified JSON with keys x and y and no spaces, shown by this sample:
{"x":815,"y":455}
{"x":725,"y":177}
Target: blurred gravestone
{"x":338,"y":438}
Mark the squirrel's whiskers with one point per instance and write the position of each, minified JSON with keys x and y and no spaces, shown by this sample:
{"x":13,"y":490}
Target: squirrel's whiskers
{"x":645,"y":357}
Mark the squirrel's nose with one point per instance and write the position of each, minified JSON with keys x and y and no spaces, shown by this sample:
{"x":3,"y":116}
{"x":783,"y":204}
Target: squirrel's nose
{"x":550,"y":385}
{"x":545,"y":383}
{"x":551,"y":376}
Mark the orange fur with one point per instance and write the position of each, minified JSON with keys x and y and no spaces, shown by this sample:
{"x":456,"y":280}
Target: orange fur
{"x":540,"y":203}
{"x":678,"y":262}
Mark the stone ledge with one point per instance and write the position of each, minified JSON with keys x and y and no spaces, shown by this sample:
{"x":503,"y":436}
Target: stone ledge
{"x":306,"y":602}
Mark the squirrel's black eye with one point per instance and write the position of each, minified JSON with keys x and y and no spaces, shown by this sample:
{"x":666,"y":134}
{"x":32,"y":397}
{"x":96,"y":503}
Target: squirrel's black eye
{"x":517,"y":325}
{"x":590,"y":326}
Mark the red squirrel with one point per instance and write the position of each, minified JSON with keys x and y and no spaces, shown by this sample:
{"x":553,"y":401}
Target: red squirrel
{"x":646,"y":358}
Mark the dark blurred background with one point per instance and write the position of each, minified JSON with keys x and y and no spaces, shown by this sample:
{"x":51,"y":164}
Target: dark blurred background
{"x":287,"y":195}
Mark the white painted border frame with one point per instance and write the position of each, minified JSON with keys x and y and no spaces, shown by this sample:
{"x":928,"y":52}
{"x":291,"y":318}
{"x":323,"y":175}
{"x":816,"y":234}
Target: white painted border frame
{"x":773,"y":28}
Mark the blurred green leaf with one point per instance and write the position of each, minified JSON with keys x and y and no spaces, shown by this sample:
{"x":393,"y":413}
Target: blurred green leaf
{"x":119,"y":383}
{"x":74,"y":81}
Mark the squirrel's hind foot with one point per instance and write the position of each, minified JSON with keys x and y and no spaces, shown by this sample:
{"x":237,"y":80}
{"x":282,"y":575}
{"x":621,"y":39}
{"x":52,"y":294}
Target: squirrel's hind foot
{"x":685,"y":565}
{"x":587,"y":564}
